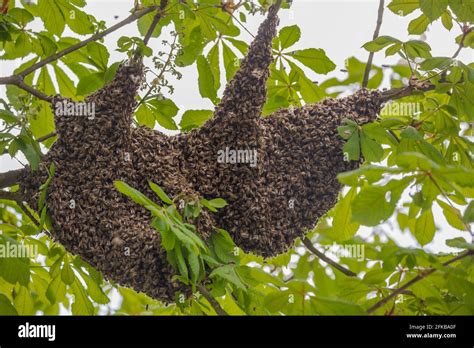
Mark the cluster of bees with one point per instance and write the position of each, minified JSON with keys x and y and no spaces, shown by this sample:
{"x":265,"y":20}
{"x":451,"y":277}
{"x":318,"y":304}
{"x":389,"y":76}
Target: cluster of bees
{"x":269,"y":205}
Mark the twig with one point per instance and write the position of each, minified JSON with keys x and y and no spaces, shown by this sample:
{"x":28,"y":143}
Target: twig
{"x":46,"y":137}
{"x":207,"y":295}
{"x":16,"y":197}
{"x":415,"y":280}
{"x":326,"y":259}
{"x":368,"y":67}
{"x":155,"y":21}
{"x":465,"y":31}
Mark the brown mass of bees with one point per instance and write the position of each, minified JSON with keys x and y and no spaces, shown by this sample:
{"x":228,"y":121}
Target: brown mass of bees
{"x":299,"y":154}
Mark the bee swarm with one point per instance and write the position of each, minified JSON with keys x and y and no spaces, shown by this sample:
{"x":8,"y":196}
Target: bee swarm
{"x":299,"y":154}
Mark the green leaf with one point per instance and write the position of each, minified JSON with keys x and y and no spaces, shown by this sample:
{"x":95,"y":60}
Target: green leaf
{"x":160,"y":193}
{"x":194,"y":118}
{"x":463,"y":9}
{"x":436,"y":63}
{"x":417,"y":48}
{"x":289,"y":36}
{"x":51,"y":16}
{"x":447,"y":20}
{"x":135,"y":195}
{"x":433,"y":9}
{"x":93,"y":288}
{"x":315,"y":59}
{"x":372,"y":151}
{"x":67,"y":274}
{"x":213,"y":59}
{"x":228,"y":273}
{"x":469,"y":213}
{"x":371,"y":207}
{"x":419,"y":25}
{"x":20,"y":15}
{"x":56,"y":290}
{"x":223,"y":246}
{"x":6,"y":307}
{"x":65,"y":84}
{"x":217,"y":203}
{"x":379,"y":43}
{"x":231,"y":62}
{"x":183,"y":269}
{"x":342,"y":226}
{"x":425,"y":228}
{"x":90,"y":83}
{"x":82,"y":305}
{"x":403,"y":7}
{"x":459,"y":243}
{"x":164,"y":110}
{"x":206,"y":80}
{"x":352,"y":147}
{"x":242,"y":46}
{"x":452,"y":215}
{"x":145,"y":116}
{"x":99,"y":55}
{"x":77,"y":20}
{"x":333,"y":306}
{"x":23,"y":302}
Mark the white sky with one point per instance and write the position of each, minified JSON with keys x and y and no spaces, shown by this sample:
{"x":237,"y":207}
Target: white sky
{"x":339,"y":27}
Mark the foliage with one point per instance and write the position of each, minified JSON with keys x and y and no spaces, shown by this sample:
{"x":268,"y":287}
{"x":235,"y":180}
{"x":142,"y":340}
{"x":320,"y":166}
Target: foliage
{"x":417,"y":162}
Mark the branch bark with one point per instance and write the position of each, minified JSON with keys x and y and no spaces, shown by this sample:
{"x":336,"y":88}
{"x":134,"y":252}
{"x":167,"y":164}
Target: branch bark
{"x":17,"y":80}
{"x":156,"y":19}
{"x":11,"y":178}
{"x":307,"y":243}
{"x":415,"y":280}
{"x":368,"y":67}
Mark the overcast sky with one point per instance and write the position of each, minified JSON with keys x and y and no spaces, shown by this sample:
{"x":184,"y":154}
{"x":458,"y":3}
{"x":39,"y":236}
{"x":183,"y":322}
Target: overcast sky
{"x":339,"y":27}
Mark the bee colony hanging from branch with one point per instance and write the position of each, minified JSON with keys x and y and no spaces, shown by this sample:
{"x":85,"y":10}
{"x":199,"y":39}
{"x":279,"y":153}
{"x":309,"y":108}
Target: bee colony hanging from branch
{"x":272,"y":200}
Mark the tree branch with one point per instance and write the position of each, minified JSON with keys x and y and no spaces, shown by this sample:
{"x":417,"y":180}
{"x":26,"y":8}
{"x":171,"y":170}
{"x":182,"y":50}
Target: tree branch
{"x":207,"y":295}
{"x":156,"y":19}
{"x":133,"y":17}
{"x":11,"y":178}
{"x":326,"y":259}
{"x":17,"y":80}
{"x":368,"y":67}
{"x":398,"y":93}
{"x":415,"y":280}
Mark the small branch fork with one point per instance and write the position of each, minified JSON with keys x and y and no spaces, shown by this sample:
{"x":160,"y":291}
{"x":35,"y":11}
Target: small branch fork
{"x":419,"y":277}
{"x":156,"y":19}
{"x":396,"y":292}
{"x":368,"y":67}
